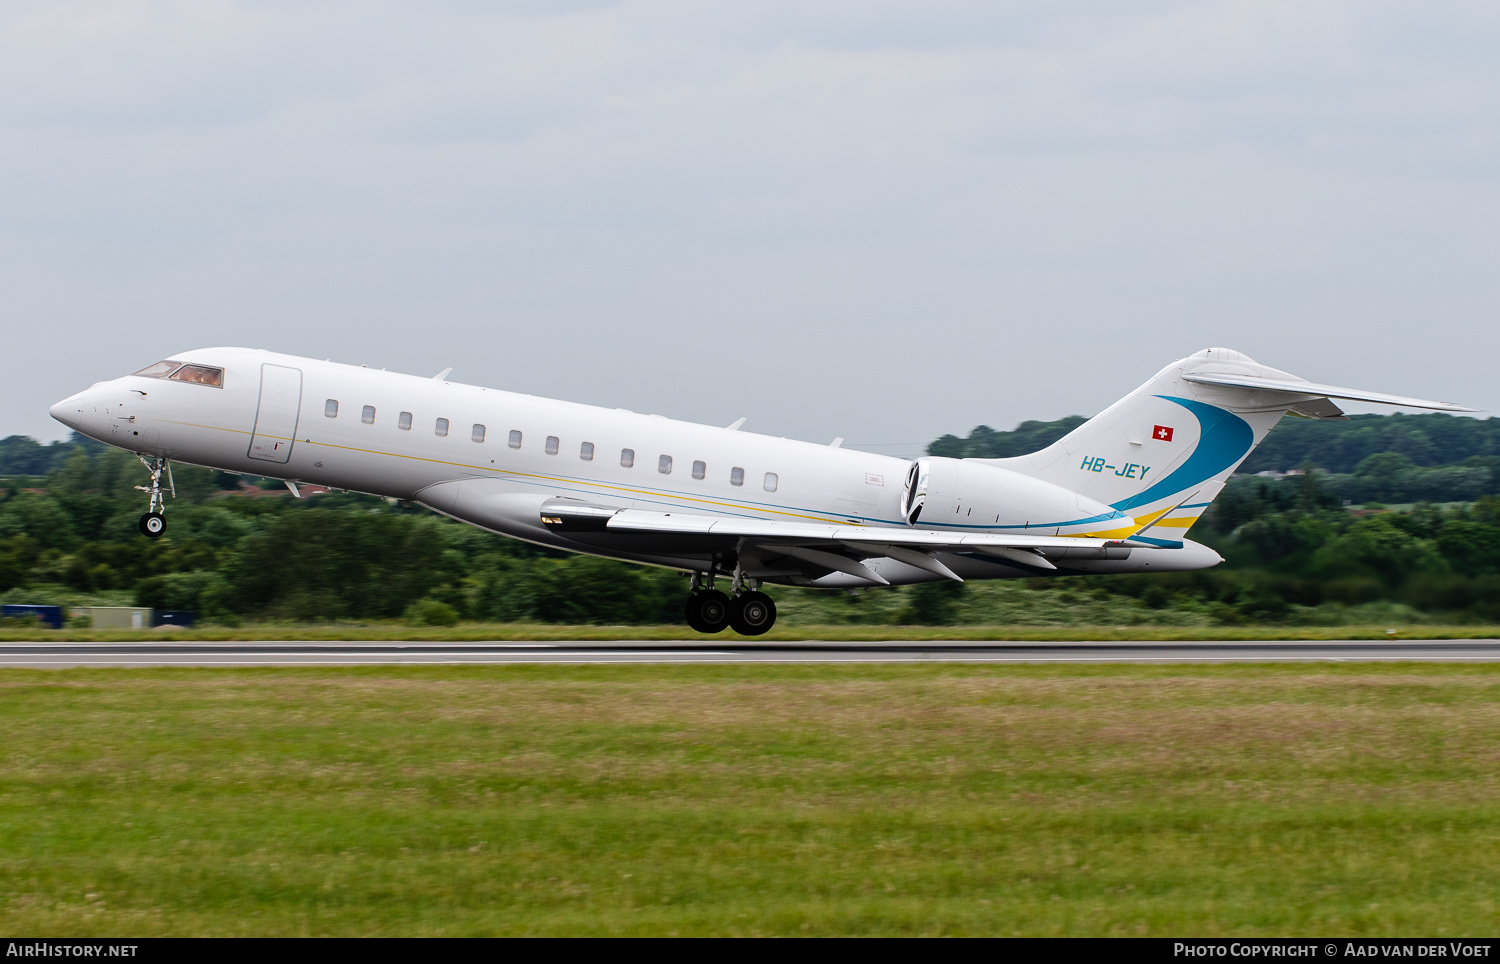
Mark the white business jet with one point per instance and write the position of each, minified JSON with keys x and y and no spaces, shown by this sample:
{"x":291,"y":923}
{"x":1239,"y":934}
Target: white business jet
{"x":1115,"y":495}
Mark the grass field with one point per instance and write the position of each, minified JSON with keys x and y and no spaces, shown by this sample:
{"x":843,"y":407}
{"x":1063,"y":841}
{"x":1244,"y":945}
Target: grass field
{"x":849,"y":799}
{"x":519,"y":632}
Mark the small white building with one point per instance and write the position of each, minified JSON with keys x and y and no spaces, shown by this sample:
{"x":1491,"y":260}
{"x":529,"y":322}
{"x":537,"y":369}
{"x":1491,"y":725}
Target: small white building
{"x":117,"y":617}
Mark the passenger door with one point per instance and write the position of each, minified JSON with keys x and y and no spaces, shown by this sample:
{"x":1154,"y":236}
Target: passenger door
{"x":276,"y":416}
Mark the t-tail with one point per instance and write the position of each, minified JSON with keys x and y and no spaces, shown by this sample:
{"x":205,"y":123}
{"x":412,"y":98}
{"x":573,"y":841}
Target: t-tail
{"x":1163,"y":453}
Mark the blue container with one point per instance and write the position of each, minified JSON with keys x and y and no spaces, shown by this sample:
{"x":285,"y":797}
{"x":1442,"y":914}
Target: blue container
{"x":175,"y":617}
{"x":49,"y":616}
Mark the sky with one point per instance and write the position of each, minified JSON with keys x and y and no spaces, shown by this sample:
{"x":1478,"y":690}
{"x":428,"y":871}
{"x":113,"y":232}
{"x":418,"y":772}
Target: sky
{"x":866,"y":219}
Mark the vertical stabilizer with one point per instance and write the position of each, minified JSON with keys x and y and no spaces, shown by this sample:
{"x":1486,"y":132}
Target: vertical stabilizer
{"x":1162,"y":453}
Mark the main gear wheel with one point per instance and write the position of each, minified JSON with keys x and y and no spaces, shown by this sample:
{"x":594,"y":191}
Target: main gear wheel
{"x":707,"y":611}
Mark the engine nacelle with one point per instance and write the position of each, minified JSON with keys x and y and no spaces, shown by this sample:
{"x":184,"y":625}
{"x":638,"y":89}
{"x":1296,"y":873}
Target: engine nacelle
{"x":945,"y":493}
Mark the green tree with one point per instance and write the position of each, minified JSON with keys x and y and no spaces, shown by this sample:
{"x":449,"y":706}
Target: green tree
{"x":1471,"y":547}
{"x":321,"y":564}
{"x":41,"y":517}
{"x":1378,"y":546}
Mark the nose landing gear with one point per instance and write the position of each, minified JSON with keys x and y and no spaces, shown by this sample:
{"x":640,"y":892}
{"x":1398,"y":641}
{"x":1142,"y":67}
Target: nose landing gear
{"x":153,"y":523}
{"x":711,"y":611}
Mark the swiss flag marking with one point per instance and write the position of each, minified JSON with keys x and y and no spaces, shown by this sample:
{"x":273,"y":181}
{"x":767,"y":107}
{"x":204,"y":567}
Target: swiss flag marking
{"x":1162,"y":433}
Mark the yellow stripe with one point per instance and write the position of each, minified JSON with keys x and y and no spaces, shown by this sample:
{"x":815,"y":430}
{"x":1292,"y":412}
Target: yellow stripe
{"x":657,"y":493}
{"x":1180,"y":522}
{"x":1138,"y":523}
{"x":697,"y":500}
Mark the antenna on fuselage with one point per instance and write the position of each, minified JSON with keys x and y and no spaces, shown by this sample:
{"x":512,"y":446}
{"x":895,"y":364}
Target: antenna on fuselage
{"x":734,"y":426}
{"x":443,"y":374}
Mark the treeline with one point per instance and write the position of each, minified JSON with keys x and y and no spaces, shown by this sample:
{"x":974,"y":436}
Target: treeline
{"x":25,"y":456}
{"x":1337,"y":445}
{"x":236,"y":552}
{"x":987,"y":443}
{"x":1389,"y":477}
{"x":1292,"y":545}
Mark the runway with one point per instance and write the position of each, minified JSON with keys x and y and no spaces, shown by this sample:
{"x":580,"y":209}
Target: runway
{"x":731,"y":650}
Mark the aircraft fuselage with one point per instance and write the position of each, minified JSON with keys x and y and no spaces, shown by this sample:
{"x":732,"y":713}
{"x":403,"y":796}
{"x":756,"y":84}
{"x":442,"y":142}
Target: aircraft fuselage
{"x":494,"y":458}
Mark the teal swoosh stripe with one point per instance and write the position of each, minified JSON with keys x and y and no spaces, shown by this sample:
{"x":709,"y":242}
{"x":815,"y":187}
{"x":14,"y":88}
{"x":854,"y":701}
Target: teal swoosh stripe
{"x":1163,"y":543}
{"x":1223,"y":439}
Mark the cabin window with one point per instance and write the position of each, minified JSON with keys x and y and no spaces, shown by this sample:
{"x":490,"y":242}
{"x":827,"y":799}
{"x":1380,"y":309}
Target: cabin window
{"x":441,"y":427}
{"x":736,"y":476}
{"x":627,"y":457}
{"x":552,"y":445}
{"x":478,"y":433}
{"x":699,"y":470}
{"x":331,"y":408}
{"x":586,"y":451}
{"x":664,"y":465}
{"x":771,"y":481}
{"x":515,"y":439}
{"x":403,"y":421}
{"x":199,"y":375}
{"x":367,"y":415}
{"x":160,"y":370}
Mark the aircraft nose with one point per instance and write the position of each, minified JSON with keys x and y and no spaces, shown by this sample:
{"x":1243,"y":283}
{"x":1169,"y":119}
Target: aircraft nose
{"x":70,"y":411}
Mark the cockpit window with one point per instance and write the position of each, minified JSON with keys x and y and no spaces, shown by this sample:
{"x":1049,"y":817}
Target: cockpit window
{"x":198,"y":375}
{"x":160,"y":370}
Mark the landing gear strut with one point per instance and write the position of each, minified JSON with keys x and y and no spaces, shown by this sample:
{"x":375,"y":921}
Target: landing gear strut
{"x":710,"y":611}
{"x":153,"y":523}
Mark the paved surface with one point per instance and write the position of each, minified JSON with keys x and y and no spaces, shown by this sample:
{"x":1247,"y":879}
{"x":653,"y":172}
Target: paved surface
{"x":730,"y":650}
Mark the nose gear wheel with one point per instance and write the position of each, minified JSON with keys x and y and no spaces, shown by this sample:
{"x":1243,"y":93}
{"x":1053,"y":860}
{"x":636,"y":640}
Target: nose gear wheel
{"x":153,"y":523}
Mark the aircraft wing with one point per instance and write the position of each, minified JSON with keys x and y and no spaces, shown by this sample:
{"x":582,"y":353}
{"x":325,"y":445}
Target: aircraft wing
{"x":792,"y":533}
{"x":827,"y":545}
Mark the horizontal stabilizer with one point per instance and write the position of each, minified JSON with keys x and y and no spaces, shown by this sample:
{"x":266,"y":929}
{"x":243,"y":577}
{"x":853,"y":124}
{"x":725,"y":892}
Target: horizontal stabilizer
{"x":1293,"y":386}
{"x":1316,"y":408}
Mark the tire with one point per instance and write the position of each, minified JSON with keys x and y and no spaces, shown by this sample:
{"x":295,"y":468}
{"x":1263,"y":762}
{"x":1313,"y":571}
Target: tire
{"x":752,"y":613}
{"x":690,"y":613}
{"x":707,"y":611}
{"x":153,"y":524}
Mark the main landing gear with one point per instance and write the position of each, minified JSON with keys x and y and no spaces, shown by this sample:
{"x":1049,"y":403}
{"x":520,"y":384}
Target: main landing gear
{"x":749,"y":612}
{"x":153,"y":523}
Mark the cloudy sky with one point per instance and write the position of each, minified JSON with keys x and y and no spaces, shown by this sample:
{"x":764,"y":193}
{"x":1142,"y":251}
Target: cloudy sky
{"x":876,"y":220}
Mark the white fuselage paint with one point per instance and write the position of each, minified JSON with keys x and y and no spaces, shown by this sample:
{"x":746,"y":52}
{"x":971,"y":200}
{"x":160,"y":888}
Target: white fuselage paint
{"x":283,"y":432}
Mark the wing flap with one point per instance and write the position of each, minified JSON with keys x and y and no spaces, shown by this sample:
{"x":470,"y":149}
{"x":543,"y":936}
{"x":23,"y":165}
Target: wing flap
{"x":772,"y":533}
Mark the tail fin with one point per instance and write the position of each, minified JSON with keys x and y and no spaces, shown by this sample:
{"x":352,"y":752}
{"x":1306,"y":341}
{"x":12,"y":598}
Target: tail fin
{"x":1164,"y":452}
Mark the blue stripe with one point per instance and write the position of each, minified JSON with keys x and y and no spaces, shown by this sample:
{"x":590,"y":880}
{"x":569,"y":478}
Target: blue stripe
{"x":660,"y":497}
{"x":1091,"y":520}
{"x":1223,"y":439}
{"x":1164,"y":543}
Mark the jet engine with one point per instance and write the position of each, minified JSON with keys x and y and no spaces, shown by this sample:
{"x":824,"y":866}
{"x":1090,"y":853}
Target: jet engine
{"x":963,"y":493}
